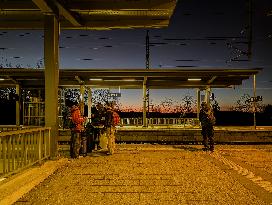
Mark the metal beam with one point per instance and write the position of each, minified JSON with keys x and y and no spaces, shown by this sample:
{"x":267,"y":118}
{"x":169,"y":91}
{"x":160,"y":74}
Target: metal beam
{"x":125,"y":5}
{"x":88,"y":25}
{"x":152,"y":72}
{"x":79,"y":80}
{"x":58,"y":8}
{"x":106,"y":14}
{"x":211,"y":80}
{"x":167,"y":78}
{"x":74,"y":19}
{"x":99,"y":15}
{"x":95,"y":5}
{"x":11,"y":79}
{"x":45,"y":7}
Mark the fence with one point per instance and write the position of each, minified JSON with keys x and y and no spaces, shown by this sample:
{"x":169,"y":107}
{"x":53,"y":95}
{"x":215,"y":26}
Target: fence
{"x":185,"y":122}
{"x":4,"y":128}
{"x":22,"y":148}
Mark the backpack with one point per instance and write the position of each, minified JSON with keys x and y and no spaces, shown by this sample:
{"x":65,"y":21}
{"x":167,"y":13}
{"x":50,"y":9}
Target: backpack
{"x":211,"y":117}
{"x":116,"y":118}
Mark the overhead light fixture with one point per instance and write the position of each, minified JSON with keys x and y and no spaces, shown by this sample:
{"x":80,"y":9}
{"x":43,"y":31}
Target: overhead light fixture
{"x":194,"y":79}
{"x":1,"y":79}
{"x":95,"y":79}
{"x":129,"y":80}
{"x":112,"y":80}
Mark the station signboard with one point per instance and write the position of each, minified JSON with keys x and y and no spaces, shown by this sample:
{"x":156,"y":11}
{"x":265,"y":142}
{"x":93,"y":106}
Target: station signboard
{"x":113,"y":95}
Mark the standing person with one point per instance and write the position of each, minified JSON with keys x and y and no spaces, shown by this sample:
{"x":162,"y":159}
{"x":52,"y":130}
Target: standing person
{"x":207,"y":120}
{"x":111,"y":120}
{"x":76,"y":130}
{"x":98,"y":121}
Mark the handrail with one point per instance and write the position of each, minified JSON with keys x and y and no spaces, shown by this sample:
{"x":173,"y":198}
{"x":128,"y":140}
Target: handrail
{"x":8,"y":128}
{"x":22,"y":148}
{"x":185,"y":122}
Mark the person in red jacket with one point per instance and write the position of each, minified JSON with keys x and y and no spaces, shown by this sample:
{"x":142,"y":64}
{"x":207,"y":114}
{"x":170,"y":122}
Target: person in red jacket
{"x":77,"y":128}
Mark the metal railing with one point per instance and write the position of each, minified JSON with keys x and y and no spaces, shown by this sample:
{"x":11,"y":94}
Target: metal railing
{"x":7,"y":128}
{"x":185,"y":122}
{"x":22,"y":148}
{"x":4,"y":128}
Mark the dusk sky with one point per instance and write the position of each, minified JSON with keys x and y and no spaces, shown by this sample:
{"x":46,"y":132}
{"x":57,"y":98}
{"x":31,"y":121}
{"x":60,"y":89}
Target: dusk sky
{"x":198,"y":35}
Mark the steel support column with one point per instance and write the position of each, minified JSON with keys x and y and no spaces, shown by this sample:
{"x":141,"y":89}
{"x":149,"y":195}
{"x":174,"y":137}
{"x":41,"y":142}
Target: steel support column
{"x":89,"y":103}
{"x":147,"y":65}
{"x":18,"y":104}
{"x":207,"y":95}
{"x":144,"y":102}
{"x":198,"y":102}
{"x":51,"y":61}
{"x":81,"y":99}
{"x":254,"y":102}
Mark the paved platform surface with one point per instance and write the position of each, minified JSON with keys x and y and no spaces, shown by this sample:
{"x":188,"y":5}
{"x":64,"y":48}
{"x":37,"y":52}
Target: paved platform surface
{"x":161,"y":174}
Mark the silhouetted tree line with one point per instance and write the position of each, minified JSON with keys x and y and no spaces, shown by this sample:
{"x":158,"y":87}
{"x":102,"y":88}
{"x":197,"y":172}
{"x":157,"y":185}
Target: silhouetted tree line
{"x":5,"y":63}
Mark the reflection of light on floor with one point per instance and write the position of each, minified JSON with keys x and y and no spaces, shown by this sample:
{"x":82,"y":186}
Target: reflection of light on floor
{"x":2,"y":179}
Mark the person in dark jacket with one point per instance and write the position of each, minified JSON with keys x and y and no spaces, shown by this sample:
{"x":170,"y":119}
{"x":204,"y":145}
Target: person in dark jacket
{"x":207,"y":120}
{"x":98,"y":121}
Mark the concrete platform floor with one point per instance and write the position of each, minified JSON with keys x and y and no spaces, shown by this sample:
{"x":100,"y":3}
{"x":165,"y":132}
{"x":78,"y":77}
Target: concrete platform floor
{"x":161,"y":174}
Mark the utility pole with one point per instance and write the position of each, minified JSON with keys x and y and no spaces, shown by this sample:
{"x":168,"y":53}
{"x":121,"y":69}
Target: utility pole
{"x":147,"y":64}
{"x":249,"y":28}
{"x":254,"y":102}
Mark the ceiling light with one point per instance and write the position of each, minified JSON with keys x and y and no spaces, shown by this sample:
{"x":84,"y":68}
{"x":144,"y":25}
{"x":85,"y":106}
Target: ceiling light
{"x":96,"y":79}
{"x":129,"y":80}
{"x":112,"y":80}
{"x":194,"y":79}
{"x":1,"y":79}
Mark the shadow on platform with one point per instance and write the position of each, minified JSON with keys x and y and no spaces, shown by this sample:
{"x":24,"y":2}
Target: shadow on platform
{"x":188,"y":148}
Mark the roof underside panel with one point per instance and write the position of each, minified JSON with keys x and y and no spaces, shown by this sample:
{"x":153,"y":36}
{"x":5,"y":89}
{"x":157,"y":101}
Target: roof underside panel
{"x":114,"y":78}
{"x":87,"y":14}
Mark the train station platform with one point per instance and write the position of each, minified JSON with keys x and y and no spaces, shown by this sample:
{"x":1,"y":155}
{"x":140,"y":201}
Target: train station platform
{"x":176,"y":134}
{"x":149,"y":174}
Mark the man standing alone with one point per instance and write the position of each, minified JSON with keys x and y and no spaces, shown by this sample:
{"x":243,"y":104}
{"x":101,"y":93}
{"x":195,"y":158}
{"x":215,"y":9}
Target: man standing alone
{"x":207,"y":120}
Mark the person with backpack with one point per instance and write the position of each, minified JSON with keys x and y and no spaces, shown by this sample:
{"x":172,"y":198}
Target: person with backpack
{"x":111,"y":120}
{"x":207,"y":120}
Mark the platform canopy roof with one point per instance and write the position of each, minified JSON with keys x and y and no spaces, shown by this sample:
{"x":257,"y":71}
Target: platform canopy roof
{"x":131,"y":78}
{"x":86,"y":14}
